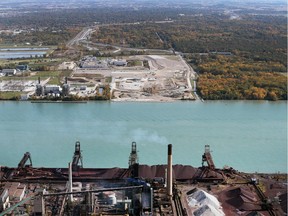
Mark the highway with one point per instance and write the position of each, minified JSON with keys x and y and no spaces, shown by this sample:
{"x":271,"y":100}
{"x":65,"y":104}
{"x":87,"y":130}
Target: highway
{"x":83,"y":35}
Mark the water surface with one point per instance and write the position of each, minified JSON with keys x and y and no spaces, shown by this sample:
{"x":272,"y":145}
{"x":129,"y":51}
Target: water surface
{"x":21,"y":54}
{"x":249,"y":136}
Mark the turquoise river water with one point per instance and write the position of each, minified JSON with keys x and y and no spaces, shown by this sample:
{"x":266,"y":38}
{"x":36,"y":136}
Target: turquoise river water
{"x":247,"y":135}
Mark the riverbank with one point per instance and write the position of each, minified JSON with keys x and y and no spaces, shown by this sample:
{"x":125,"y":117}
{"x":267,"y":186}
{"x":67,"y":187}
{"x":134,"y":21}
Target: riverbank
{"x":41,"y":101}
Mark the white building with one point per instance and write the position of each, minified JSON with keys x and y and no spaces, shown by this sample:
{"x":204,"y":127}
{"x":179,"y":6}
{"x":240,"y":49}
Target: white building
{"x":119,"y":62}
{"x":52,"y":89}
{"x":4,"y":199}
{"x":16,"y":191}
{"x":9,"y":72}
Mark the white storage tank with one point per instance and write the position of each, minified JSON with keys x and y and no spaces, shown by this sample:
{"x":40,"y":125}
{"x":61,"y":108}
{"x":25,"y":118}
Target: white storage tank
{"x":112,"y":199}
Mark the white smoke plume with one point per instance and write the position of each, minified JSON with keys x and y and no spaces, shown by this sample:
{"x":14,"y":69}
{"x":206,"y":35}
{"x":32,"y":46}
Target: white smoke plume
{"x":144,"y":136}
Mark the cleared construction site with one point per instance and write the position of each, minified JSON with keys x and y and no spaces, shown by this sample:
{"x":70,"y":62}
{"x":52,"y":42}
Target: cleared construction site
{"x":139,"y":189}
{"x":140,"y":78}
{"x":129,"y":78}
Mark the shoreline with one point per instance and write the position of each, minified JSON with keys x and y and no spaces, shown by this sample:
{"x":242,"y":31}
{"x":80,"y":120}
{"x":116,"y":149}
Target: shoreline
{"x":58,"y":101}
{"x":137,"y":100}
{"x":277,"y":173}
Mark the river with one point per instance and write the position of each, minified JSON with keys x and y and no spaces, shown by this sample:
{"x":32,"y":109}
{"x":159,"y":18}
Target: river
{"x":249,"y":136}
{"x":13,"y":53}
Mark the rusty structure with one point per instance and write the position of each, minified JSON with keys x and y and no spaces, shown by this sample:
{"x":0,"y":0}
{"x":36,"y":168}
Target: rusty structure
{"x":208,"y":171}
{"x":133,"y":158}
{"x":77,"y":161}
{"x":23,"y":161}
{"x":169,"y":171}
{"x":136,"y":190}
{"x":133,"y":162}
{"x":207,"y":157}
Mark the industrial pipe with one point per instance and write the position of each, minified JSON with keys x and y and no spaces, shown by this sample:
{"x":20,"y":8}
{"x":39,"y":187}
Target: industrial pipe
{"x":169,"y":171}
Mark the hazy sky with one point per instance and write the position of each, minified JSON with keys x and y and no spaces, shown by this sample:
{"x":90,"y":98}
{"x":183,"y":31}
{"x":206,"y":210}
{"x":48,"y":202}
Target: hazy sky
{"x":131,"y":1}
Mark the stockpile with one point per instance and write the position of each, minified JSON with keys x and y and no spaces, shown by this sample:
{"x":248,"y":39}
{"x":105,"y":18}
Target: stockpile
{"x":180,"y":172}
{"x":203,"y":204}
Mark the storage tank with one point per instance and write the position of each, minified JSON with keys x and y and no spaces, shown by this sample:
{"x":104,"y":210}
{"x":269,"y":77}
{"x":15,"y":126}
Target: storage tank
{"x":39,"y":90}
{"x":112,"y":199}
{"x":65,"y":90}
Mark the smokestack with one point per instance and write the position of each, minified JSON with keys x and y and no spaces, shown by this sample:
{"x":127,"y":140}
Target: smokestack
{"x":66,"y":80}
{"x":70,"y":181}
{"x":165,"y":183}
{"x":169,"y":171}
{"x":38,"y":80}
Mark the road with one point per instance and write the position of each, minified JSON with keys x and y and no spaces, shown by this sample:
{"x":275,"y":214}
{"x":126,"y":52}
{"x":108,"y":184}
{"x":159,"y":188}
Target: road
{"x":84,"y":36}
{"x":191,"y":74}
{"x":81,"y":36}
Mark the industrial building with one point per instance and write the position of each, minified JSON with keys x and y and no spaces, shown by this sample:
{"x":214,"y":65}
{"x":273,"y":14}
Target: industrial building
{"x":39,"y":89}
{"x":42,"y":90}
{"x":16,"y":191}
{"x":119,"y":63}
{"x":4,"y":199}
{"x":167,"y":189}
{"x":52,"y":89}
{"x":22,"y":67}
{"x":91,"y":62}
{"x":8,"y":72}
{"x":65,"y":88}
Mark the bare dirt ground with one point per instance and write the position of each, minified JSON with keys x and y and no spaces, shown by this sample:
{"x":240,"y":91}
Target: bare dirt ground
{"x":163,"y":78}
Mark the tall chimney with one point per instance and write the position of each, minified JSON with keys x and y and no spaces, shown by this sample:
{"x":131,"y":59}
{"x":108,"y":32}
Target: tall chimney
{"x":38,"y":80}
{"x":70,"y":181}
{"x":169,"y":171}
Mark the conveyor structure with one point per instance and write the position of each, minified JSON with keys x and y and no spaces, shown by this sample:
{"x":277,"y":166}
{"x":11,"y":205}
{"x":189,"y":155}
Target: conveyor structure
{"x":207,"y":157}
{"x":77,"y":158}
{"x":24,"y":159}
{"x":133,"y":159}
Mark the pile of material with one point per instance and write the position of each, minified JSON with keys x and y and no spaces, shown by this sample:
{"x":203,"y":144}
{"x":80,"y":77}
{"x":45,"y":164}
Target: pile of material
{"x":180,"y":172}
{"x":242,"y":199}
{"x":203,"y":204}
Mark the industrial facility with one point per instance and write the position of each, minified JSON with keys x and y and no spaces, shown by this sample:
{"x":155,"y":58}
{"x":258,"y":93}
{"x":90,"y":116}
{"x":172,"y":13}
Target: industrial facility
{"x":168,"y":189}
{"x":52,"y":90}
{"x":92,"y":62}
{"x":8,"y":72}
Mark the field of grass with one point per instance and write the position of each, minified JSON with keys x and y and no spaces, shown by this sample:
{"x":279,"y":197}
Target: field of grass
{"x":56,"y":77}
{"x":134,"y":63}
{"x":10,"y":95}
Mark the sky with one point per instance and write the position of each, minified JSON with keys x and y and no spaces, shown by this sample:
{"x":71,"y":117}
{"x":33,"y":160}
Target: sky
{"x":131,"y":1}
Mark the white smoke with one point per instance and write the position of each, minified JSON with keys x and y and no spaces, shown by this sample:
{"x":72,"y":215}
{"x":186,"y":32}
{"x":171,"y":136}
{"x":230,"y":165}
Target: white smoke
{"x":144,"y":136}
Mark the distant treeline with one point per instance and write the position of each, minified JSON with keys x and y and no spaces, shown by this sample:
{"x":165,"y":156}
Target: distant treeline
{"x":46,"y":37}
{"x":89,"y":16}
{"x":260,"y":39}
{"x":243,"y":58}
{"x":239,"y":86}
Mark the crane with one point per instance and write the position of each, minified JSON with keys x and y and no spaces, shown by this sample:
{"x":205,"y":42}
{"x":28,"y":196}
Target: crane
{"x":207,"y":157}
{"x":77,"y":157}
{"x":26,"y":157}
{"x":133,"y":158}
